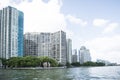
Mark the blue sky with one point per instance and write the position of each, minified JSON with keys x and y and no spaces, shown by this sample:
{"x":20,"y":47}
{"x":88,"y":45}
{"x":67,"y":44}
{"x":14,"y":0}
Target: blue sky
{"x":89,"y":11}
{"x":92,"y":23}
{"x":102,"y":35}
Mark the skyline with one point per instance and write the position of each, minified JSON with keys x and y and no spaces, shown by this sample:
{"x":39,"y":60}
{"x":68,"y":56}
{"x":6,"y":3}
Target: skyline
{"x":94,"y":24}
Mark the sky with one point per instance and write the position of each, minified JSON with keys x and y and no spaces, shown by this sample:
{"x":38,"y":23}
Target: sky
{"x":91,"y":23}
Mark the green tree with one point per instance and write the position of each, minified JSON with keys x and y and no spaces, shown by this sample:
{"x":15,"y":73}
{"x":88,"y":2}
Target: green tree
{"x":68,"y":64}
{"x":76,"y":64}
{"x":4,"y":62}
{"x":52,"y":61}
{"x":29,"y":61}
{"x":89,"y":63}
{"x":100,"y":64}
{"x":13,"y":62}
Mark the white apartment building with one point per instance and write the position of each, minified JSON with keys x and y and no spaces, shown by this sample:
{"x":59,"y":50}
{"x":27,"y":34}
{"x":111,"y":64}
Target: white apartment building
{"x":48,"y":44}
{"x":31,"y":44}
{"x":84,"y":55}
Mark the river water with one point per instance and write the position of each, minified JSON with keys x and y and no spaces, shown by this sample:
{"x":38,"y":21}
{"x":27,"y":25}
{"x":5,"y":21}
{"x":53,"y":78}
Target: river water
{"x":81,"y":73}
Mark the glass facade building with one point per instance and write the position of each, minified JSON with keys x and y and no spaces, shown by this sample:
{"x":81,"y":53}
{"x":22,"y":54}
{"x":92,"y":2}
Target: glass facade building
{"x":69,"y":50}
{"x":9,"y":32}
{"x":20,"y":33}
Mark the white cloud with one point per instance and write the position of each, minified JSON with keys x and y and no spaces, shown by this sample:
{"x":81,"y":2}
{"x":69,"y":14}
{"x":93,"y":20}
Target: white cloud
{"x":16,"y":1}
{"x":3,"y":3}
{"x":111,"y":27}
{"x":100,"y":22}
{"x":107,"y":48}
{"x":75,"y":20}
{"x":40,"y":16}
{"x":107,"y":25}
{"x":69,"y":34}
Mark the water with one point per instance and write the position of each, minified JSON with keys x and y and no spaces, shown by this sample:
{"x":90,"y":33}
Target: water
{"x":82,"y":73}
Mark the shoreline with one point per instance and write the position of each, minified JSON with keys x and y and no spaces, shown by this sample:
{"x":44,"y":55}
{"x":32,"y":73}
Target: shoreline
{"x":37,"y":68}
{"x":48,"y":68}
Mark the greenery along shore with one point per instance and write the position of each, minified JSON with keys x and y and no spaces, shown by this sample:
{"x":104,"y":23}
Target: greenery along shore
{"x":30,"y":61}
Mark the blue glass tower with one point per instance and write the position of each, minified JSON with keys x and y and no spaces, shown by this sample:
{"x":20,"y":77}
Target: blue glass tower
{"x":11,"y":32}
{"x":20,"y":33}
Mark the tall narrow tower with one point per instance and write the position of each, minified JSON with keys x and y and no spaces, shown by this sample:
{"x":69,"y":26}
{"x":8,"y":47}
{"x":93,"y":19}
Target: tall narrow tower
{"x":69,"y":50}
{"x":11,"y":28}
{"x":59,"y":50}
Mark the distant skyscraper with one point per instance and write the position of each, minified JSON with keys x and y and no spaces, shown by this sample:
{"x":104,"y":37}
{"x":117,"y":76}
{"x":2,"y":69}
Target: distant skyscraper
{"x":84,"y":55}
{"x":103,"y":61}
{"x":46,"y":44}
{"x":69,"y":50}
{"x":11,"y":32}
{"x":74,"y":56}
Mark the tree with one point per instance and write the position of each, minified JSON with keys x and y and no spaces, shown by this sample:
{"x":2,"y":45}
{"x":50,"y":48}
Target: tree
{"x":100,"y":64}
{"x":29,"y":61}
{"x":4,"y":62}
{"x":68,"y":64}
{"x":93,"y":64}
{"x":13,"y":62}
{"x":52,"y":61}
{"x":76,"y":64}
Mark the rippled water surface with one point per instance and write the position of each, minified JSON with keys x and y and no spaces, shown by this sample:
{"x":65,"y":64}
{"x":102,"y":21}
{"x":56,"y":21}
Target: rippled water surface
{"x":81,"y":73}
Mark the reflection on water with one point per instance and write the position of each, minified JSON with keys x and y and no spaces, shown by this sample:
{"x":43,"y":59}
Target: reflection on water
{"x":82,"y":73}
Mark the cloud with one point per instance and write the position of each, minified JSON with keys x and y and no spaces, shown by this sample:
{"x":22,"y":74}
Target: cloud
{"x":107,"y":25}
{"x":75,"y":20}
{"x":111,"y":27}
{"x":100,"y":22}
{"x":3,"y":3}
{"x":40,"y":16}
{"x":16,"y":1}
{"x":105,"y":48}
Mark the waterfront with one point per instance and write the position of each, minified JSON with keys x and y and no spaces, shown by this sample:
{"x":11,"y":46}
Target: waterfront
{"x":81,"y":73}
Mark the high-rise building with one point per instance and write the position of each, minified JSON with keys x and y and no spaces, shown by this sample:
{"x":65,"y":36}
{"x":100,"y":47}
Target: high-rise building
{"x":31,"y":44}
{"x":37,"y":44}
{"x":46,"y":44}
{"x":11,"y":32}
{"x":74,"y":56}
{"x":59,"y":50}
{"x":84,"y":55}
{"x":69,"y":50}
{"x":20,"y":33}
